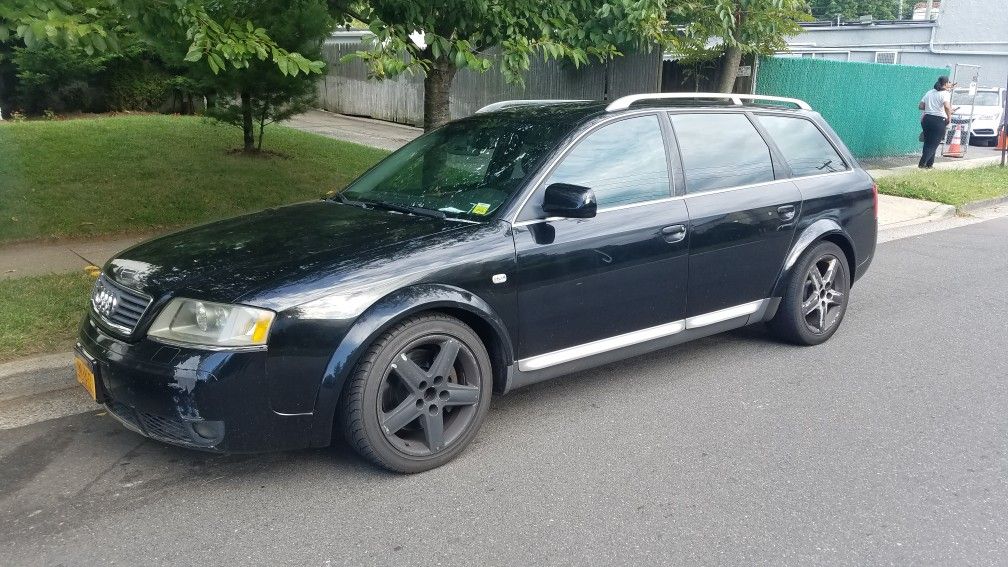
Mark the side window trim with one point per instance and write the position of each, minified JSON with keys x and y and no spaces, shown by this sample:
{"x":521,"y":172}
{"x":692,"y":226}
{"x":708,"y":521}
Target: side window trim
{"x":539,"y":183}
{"x":675,"y":164}
{"x":781,"y":167}
{"x":829,"y":141}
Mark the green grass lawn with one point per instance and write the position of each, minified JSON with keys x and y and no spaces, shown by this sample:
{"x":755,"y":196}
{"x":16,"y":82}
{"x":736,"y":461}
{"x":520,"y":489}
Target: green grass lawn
{"x":953,"y":187}
{"x":131,"y":174}
{"x":40,"y":313}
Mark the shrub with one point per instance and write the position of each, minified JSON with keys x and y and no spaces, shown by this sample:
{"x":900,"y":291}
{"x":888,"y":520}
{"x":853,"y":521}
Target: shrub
{"x":58,"y":79}
{"x":138,"y":88}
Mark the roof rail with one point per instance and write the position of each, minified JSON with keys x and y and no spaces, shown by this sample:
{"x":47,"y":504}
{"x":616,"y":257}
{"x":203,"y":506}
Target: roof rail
{"x":624,"y":103}
{"x":510,"y":103}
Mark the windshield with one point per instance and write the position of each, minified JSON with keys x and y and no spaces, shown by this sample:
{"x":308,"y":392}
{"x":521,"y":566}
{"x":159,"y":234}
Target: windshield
{"x":465,"y":169}
{"x":983,"y":98}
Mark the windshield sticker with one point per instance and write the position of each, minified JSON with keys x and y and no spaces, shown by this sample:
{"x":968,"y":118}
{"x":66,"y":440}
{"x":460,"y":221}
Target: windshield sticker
{"x":480,"y":208}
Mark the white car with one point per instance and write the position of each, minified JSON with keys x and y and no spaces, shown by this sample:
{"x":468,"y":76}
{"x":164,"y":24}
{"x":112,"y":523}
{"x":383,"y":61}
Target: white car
{"x":987,"y":111}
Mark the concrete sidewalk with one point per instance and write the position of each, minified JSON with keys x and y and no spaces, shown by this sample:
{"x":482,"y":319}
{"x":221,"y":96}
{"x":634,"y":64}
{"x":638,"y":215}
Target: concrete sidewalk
{"x":35,"y":258}
{"x":896,"y":212}
{"x":982,"y":160}
{"x":365,"y":131}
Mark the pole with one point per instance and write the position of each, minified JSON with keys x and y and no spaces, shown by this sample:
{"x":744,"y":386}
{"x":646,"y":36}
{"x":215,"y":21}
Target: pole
{"x":1004,"y":127}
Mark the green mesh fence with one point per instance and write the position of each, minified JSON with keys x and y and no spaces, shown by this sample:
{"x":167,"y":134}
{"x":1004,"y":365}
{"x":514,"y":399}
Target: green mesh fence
{"x":872,"y":106}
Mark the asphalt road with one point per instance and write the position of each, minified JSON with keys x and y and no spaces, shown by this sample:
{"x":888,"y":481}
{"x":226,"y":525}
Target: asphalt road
{"x":886,"y":445}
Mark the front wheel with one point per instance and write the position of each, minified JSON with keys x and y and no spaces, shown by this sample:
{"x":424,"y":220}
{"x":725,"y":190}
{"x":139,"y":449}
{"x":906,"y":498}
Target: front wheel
{"x":419,"y":394}
{"x":815,"y":300}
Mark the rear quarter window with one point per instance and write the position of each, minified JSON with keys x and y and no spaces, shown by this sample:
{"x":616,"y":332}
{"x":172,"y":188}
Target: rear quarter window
{"x":803,"y":145}
{"x":720,"y":151}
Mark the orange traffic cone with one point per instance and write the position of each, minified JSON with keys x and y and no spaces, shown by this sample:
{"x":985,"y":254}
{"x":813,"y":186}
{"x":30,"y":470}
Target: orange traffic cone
{"x":1003,"y":139}
{"x":955,"y":148}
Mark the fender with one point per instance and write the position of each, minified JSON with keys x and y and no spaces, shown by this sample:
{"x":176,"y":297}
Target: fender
{"x":376,"y":320}
{"x":812,"y":233}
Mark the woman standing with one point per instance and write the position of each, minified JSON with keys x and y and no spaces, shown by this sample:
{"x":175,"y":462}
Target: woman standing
{"x":937,"y":107}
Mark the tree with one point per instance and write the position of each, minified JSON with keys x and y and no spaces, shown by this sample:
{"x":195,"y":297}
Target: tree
{"x":220,"y":42}
{"x":260,"y":94}
{"x":461,"y":34}
{"x":226,"y":36}
{"x":737,"y":27}
{"x":852,"y":9}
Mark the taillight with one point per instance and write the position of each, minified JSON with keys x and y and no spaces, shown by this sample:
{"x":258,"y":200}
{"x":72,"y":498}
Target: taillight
{"x":874,"y":195}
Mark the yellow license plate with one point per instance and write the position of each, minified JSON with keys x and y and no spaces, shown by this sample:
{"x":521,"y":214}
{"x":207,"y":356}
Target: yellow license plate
{"x":85,"y":376}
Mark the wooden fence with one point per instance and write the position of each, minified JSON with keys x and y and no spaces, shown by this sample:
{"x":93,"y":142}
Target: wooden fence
{"x":348,"y":90}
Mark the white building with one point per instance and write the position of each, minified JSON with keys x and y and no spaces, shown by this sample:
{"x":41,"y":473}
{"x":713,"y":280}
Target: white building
{"x":961,"y":31}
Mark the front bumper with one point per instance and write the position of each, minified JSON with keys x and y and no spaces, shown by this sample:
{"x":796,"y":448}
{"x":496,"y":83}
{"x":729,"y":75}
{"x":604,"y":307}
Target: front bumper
{"x":208,"y":400}
{"x":979,"y":129}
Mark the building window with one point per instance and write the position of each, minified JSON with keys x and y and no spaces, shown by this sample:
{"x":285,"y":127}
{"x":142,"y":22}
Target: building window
{"x":886,"y":56}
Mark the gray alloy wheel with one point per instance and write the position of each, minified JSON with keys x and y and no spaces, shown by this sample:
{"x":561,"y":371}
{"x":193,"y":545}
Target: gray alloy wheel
{"x":815,"y":299}
{"x":822,"y":302}
{"x":429,"y":394}
{"x":419,"y":394}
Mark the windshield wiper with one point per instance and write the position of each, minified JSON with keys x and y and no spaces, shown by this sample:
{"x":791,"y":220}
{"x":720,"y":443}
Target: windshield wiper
{"x":402,"y":208}
{"x":339,"y":198}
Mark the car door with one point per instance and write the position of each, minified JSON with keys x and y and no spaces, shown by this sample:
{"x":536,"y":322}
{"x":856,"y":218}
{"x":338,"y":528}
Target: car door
{"x":584,"y":280}
{"x":742,"y":216}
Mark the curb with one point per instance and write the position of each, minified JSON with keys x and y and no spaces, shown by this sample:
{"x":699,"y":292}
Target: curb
{"x":34,"y":376}
{"x":939,"y":212}
{"x":977,"y":205}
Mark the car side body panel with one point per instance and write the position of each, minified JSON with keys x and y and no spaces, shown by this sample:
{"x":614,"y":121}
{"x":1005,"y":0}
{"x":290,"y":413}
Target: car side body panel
{"x":305,"y":337}
{"x":384,"y":314}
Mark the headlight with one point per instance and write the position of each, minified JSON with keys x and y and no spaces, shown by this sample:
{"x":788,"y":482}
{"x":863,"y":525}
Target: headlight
{"x":212,"y":324}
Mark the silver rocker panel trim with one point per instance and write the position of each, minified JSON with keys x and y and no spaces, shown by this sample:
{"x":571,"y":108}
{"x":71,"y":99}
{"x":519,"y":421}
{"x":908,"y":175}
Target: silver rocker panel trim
{"x":635,"y":337}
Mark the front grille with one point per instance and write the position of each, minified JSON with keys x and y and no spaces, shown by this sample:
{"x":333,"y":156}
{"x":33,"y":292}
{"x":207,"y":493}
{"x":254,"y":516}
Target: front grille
{"x":164,"y":428}
{"x":983,"y":132}
{"x":168,"y":429}
{"x":118,"y":306}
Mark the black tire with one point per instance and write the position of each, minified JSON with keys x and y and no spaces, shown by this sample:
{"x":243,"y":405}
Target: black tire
{"x":794,"y":322}
{"x":396,"y":386}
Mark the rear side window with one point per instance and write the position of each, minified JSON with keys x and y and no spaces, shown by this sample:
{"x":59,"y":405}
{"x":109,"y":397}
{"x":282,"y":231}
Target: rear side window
{"x":623,"y":162}
{"x":805,"y":148}
{"x":721,"y":150}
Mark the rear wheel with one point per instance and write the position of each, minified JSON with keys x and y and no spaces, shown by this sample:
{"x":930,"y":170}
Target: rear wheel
{"x":419,"y":395}
{"x":815,"y":300}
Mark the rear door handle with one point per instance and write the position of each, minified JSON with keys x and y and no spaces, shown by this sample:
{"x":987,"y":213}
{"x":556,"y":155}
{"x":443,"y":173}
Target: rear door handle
{"x":786,"y":213}
{"x":674,"y":233}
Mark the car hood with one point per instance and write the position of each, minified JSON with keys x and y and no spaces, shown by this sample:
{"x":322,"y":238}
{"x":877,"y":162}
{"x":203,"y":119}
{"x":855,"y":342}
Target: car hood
{"x":233,"y":259}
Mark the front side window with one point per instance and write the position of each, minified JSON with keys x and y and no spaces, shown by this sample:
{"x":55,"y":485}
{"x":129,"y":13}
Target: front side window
{"x":465,"y":169}
{"x":720,"y":151}
{"x":623,"y":162}
{"x":804,"y":147}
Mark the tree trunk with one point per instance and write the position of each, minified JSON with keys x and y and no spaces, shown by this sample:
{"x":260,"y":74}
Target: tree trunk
{"x":437,"y":89}
{"x":248,"y":128}
{"x":729,"y":70}
{"x":262,"y":128}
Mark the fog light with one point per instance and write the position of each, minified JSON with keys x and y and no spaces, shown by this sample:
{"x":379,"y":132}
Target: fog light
{"x":209,"y":430}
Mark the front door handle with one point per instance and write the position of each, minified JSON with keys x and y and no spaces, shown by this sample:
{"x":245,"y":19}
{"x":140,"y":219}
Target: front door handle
{"x":786,"y":213}
{"x":674,"y":233}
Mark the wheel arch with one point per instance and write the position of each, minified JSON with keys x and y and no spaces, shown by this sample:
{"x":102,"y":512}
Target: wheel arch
{"x":821,"y":230}
{"x":386,"y":312}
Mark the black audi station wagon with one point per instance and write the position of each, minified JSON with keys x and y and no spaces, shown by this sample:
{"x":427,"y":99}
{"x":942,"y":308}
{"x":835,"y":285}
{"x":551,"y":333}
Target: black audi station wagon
{"x":531,"y":240}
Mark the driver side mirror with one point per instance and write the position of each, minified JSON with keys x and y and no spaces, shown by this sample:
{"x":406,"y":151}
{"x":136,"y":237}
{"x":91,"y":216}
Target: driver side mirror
{"x":569,"y":201}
